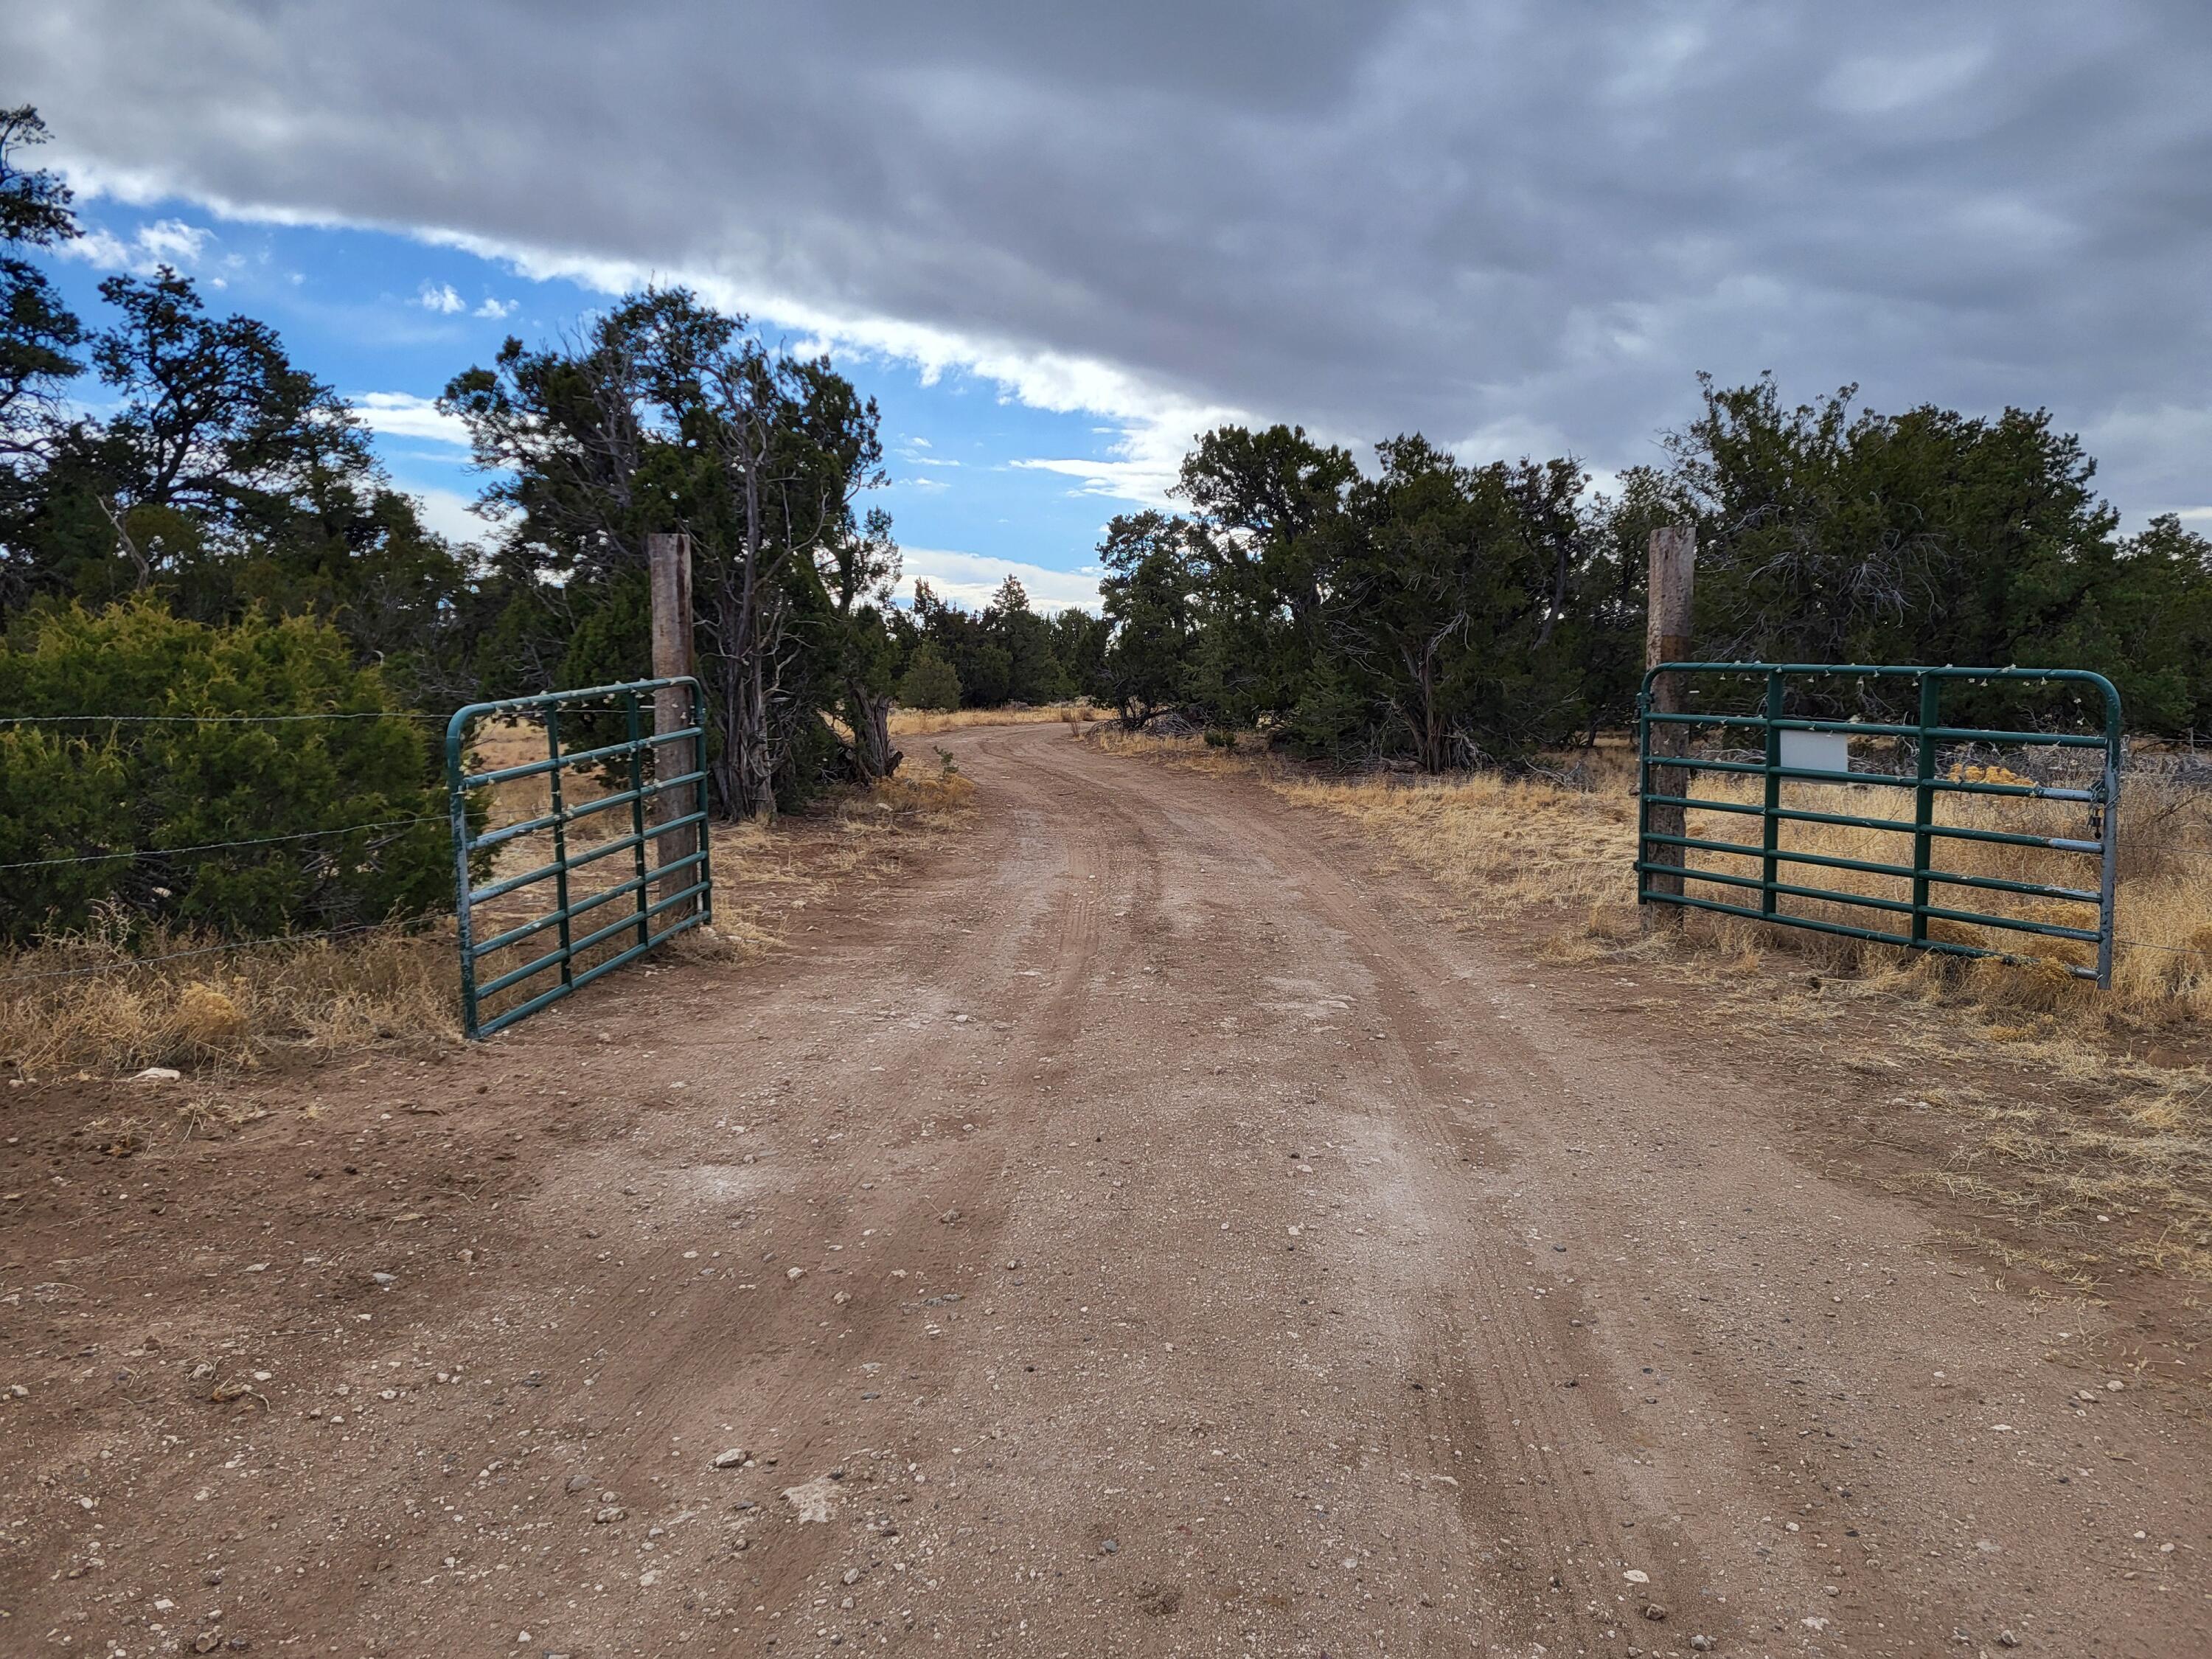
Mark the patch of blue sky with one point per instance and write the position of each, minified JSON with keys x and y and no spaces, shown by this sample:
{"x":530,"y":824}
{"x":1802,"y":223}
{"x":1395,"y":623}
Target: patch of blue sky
{"x":389,"y":319}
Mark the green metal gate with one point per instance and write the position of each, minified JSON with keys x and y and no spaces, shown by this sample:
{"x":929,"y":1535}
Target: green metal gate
{"x":687,"y":888}
{"x":1664,"y":858}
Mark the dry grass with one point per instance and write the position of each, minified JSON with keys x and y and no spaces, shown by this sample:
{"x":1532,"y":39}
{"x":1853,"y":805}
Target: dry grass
{"x":223,"y":1009}
{"x":2161,"y":971}
{"x":1190,"y":754}
{"x":921,"y":722}
{"x":496,"y":744}
{"x":760,"y":870}
{"x":2108,"y":1156}
{"x":234,"y":1009}
{"x":1564,"y":839}
{"x":943,"y":800}
{"x":2115,"y":1160}
{"x":1498,"y":844}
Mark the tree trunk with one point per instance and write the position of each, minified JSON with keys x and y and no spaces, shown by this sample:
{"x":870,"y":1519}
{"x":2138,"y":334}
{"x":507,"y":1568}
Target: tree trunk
{"x":1430,"y":736}
{"x":752,"y":743}
{"x":869,"y":714}
{"x":745,"y":771}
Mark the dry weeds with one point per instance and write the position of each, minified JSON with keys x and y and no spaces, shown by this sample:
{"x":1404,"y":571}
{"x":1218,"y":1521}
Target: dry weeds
{"x":1564,"y":839}
{"x":2110,"y":1161}
{"x":921,"y":722}
{"x":87,"y":1001}
{"x":92,"y":1003}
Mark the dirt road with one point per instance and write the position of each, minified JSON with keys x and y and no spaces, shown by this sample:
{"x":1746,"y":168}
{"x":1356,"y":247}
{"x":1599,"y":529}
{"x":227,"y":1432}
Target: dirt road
{"x":1146,"y":1231}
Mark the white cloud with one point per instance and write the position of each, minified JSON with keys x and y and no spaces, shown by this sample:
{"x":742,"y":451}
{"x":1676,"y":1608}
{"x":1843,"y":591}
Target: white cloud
{"x":103,"y":248}
{"x":1122,"y":481}
{"x":497,"y":308}
{"x":1155,"y":426}
{"x":174,"y":240}
{"x":916,"y":452}
{"x":971,"y":578}
{"x":165,"y":243}
{"x":403,"y":415}
{"x":1147,"y":456}
{"x":447,"y":513}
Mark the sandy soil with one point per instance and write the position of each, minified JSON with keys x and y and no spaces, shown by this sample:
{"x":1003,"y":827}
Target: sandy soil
{"x":1146,"y":1231}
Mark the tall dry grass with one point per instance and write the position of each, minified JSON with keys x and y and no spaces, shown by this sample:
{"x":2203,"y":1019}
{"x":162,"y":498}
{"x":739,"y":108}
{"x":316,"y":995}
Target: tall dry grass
{"x":2163,"y":965}
{"x":1191,"y":753}
{"x":104,"y":1000}
{"x":1562,"y":840}
{"x":922,"y":722}
{"x":756,"y":867}
{"x":92,"y":1000}
{"x":94,"y":1003}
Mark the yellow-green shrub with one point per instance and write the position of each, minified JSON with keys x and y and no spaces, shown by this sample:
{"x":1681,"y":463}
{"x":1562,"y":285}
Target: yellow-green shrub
{"x":123,"y":797}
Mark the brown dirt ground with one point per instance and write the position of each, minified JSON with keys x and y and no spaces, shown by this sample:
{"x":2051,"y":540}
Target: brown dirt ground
{"x":1147,"y":1229}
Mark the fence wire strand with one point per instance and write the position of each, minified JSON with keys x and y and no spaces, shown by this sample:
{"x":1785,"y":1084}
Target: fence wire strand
{"x":210,"y":719}
{"x":220,"y":846}
{"x":324,"y":935}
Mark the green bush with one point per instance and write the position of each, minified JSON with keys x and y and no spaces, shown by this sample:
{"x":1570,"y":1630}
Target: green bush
{"x":929,"y":682}
{"x":144,"y":790}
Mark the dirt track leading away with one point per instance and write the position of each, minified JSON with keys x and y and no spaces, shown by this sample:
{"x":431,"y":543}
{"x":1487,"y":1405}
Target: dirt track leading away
{"x":1145,"y":1232}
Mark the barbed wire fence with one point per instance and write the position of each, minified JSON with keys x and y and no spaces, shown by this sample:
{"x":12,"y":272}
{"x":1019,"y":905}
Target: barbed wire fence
{"x":207,"y":849}
{"x":123,"y":964}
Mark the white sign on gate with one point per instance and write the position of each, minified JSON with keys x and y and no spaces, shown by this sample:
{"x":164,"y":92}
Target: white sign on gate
{"x":1816,"y":752}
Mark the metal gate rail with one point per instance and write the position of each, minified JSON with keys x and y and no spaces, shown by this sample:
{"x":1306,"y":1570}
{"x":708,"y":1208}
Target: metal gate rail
{"x":687,"y":906}
{"x":1928,"y":732}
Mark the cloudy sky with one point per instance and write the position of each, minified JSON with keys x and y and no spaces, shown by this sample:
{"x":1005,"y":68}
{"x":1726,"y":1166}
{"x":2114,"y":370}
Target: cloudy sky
{"x":1057,"y":241}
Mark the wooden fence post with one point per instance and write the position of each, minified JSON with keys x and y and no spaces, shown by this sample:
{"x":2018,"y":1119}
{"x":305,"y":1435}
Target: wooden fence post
{"x":669,"y":557}
{"x":1672,"y":575}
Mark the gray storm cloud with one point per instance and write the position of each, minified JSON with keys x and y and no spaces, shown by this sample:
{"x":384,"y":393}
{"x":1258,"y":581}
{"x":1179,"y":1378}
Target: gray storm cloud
{"x":1512,"y":226}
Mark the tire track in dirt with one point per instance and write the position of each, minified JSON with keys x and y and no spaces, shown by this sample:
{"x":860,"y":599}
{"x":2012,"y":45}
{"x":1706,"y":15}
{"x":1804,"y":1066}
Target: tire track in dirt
{"x":666,"y":1355}
{"x":1554,"y":1525}
{"x":1551,"y":1091}
{"x":1021,"y":919}
{"x":1501,"y":1372}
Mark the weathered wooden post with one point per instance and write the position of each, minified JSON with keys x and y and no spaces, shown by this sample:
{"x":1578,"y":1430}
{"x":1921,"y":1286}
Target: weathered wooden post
{"x":1672,"y":575}
{"x":669,"y":557}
